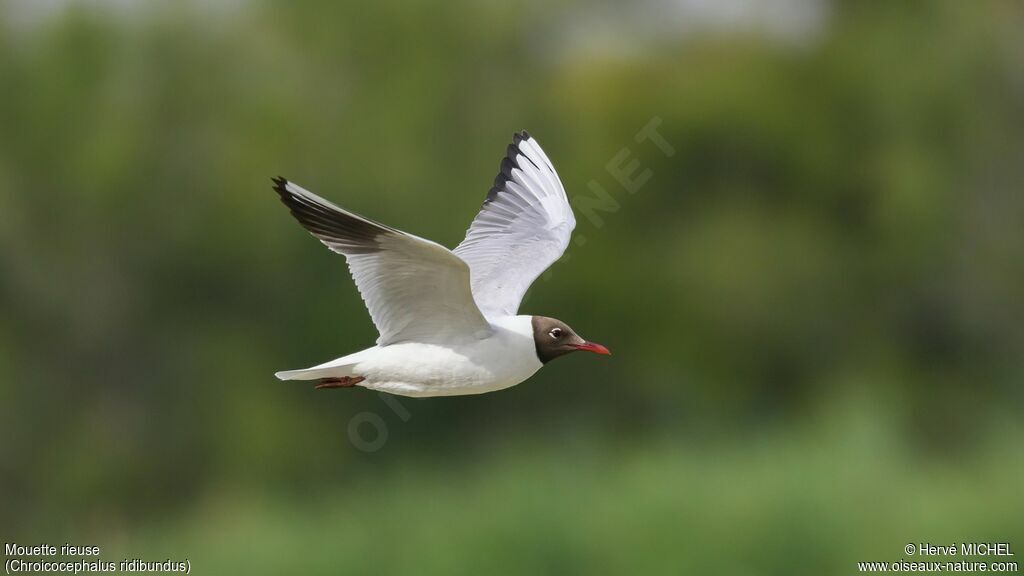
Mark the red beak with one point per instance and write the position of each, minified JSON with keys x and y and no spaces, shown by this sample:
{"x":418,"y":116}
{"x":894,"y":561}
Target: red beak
{"x":593,"y":347}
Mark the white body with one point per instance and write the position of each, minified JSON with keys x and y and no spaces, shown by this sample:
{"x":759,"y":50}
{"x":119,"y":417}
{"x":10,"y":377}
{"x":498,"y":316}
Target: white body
{"x":505,"y":358}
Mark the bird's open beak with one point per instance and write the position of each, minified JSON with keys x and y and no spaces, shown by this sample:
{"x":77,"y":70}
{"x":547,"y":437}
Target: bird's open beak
{"x":592,"y":347}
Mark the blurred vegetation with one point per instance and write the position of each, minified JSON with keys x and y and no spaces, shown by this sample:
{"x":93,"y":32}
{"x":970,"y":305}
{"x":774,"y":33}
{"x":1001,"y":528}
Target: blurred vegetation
{"x":815,"y":305}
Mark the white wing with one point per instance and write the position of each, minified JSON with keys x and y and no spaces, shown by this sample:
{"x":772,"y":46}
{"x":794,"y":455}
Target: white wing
{"x":415,"y":289}
{"x":522,"y":228}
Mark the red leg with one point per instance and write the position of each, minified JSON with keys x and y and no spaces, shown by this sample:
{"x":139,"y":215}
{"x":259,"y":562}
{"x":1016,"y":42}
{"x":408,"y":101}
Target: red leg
{"x":342,"y":382}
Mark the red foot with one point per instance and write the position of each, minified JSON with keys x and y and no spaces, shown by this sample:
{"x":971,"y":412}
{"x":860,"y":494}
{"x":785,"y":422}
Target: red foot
{"x":343,"y":382}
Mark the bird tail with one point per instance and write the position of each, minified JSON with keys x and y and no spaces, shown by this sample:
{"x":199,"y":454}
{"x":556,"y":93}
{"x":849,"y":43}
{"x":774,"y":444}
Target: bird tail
{"x":315,"y":373}
{"x":338,"y":368}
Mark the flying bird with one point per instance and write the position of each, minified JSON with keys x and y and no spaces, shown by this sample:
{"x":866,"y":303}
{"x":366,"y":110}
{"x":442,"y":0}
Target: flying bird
{"x":448,"y":319}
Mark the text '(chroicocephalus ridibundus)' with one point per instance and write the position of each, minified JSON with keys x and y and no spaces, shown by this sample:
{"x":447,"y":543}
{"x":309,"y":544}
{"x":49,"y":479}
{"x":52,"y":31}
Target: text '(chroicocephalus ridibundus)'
{"x":448,"y":320}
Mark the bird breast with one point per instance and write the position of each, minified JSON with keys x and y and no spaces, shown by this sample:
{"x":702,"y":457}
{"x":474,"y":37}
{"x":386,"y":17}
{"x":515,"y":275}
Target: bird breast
{"x":504,"y":358}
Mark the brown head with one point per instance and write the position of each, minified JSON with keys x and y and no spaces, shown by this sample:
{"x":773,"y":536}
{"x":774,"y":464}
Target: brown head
{"x":554,"y":338}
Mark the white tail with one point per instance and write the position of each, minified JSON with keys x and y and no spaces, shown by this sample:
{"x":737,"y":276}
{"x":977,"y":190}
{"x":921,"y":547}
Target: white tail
{"x":315,"y":373}
{"x":334,"y":369}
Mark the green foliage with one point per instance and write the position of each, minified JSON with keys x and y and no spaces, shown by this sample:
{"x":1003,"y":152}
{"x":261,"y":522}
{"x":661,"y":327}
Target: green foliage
{"x":838,"y":232}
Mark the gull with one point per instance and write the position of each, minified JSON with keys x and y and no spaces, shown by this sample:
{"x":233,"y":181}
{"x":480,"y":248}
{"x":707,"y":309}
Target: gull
{"x":448,"y":319}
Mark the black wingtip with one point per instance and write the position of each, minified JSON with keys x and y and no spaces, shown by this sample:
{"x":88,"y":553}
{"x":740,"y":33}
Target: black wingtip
{"x":508,"y":163}
{"x":281,"y":186}
{"x":342,"y":231}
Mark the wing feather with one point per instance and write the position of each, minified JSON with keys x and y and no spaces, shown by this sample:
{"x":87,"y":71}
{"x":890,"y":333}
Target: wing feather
{"x":415,"y":289}
{"x":522,"y":228}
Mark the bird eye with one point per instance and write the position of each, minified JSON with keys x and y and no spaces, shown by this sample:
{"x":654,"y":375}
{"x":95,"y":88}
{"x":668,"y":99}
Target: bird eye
{"x":556,"y":333}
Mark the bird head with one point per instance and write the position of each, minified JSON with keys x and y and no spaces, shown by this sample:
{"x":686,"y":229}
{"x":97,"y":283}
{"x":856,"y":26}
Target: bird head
{"x":554,"y":338}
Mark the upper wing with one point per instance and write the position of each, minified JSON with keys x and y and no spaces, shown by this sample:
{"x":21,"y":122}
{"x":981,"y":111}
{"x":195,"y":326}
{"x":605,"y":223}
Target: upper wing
{"x":415,"y":289}
{"x":522,"y":228}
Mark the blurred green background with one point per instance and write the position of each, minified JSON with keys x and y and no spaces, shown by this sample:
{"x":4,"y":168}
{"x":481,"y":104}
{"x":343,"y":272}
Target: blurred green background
{"x":815,"y":304}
